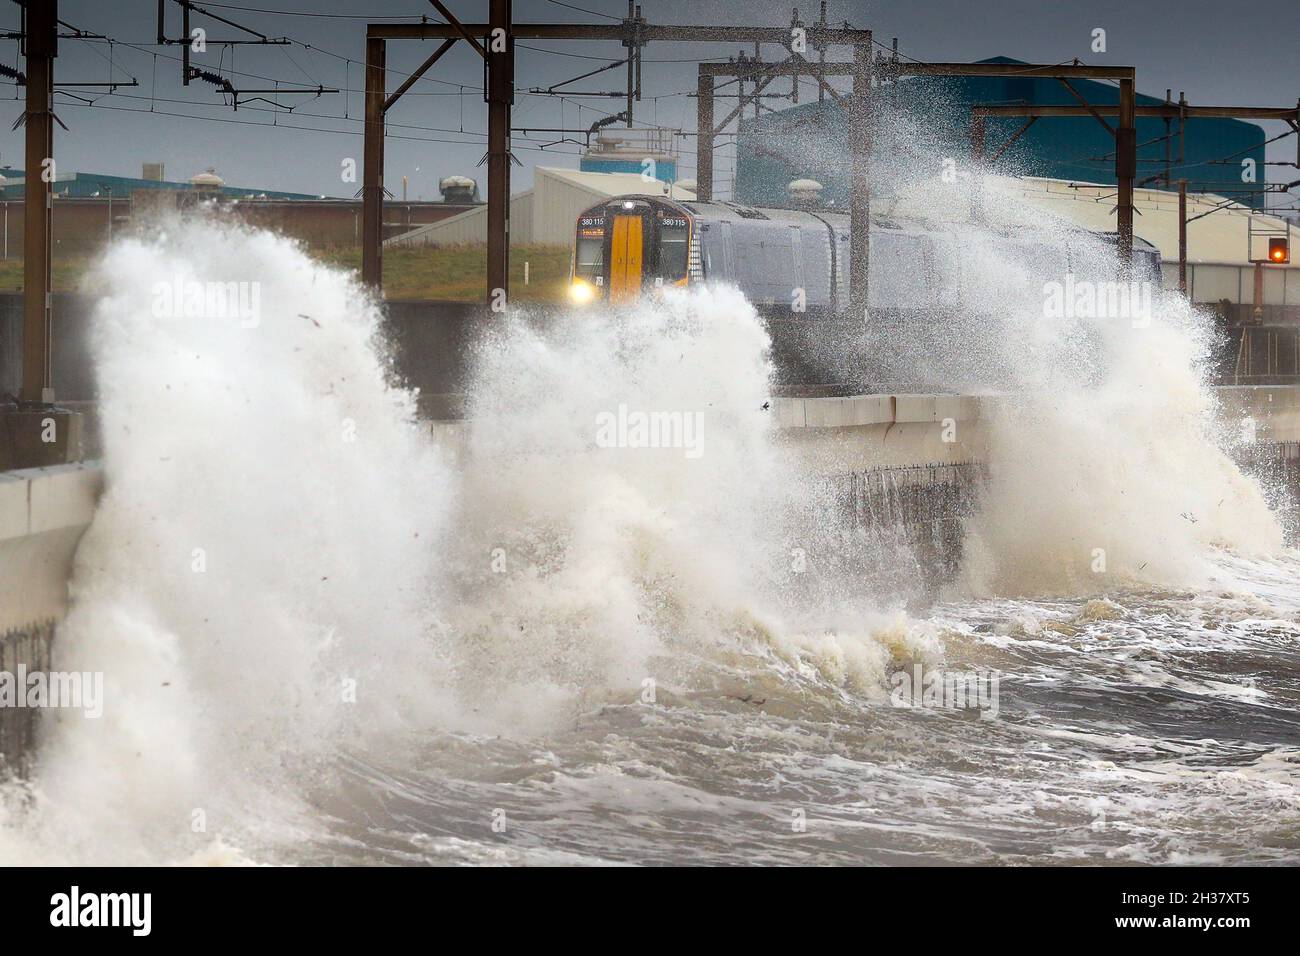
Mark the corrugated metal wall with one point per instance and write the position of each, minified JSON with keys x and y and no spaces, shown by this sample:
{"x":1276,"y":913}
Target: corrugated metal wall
{"x":559,"y":203}
{"x":1214,"y":283}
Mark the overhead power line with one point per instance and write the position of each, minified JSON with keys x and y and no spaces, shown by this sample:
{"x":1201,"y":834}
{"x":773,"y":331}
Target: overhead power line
{"x":592,"y":13}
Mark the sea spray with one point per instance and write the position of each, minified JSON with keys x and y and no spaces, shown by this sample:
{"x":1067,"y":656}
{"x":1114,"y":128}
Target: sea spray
{"x":258,"y":576}
{"x":282,"y":568}
{"x":1106,"y":465}
{"x":598,"y":565}
{"x":1107,"y":468}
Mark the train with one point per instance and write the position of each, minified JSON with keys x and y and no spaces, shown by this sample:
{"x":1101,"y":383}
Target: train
{"x":933,"y":321}
{"x":791,"y":259}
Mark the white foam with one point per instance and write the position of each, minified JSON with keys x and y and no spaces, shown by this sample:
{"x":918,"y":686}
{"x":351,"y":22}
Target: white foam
{"x":1108,"y":468}
{"x":276,"y":458}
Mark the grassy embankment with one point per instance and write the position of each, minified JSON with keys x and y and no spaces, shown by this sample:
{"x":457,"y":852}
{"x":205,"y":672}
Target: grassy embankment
{"x":455,"y":273}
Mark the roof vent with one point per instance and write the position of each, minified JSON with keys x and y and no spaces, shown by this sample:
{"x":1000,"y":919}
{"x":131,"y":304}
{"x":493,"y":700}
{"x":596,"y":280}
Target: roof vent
{"x":208,"y":180}
{"x":805,"y":192}
{"x":458,"y":189}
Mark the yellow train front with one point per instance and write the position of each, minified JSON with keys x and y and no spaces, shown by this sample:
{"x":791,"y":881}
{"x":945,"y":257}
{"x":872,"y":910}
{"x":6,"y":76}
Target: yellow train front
{"x":628,"y":245}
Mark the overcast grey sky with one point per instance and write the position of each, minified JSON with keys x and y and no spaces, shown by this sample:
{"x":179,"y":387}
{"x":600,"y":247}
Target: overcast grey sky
{"x":1218,"y":52}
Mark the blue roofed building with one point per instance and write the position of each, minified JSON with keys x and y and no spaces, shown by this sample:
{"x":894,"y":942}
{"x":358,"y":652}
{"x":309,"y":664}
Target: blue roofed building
{"x":921,"y":118}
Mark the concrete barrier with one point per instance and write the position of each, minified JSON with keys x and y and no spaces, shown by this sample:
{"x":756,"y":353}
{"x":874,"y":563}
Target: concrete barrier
{"x":43,"y":514}
{"x":1270,"y":412}
{"x":898,"y":431}
{"x":44,"y":510}
{"x":863,"y":432}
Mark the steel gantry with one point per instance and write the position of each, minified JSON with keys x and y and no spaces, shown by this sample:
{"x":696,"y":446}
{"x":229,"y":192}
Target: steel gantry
{"x":1125,"y":130}
{"x":495,"y":42}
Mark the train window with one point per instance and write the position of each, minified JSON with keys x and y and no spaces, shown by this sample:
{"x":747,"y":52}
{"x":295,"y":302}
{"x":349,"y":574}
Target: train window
{"x":673,"y":248}
{"x":591,"y":257}
{"x":708,"y":239}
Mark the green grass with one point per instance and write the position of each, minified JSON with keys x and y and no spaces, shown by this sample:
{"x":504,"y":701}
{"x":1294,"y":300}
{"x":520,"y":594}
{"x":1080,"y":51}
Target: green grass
{"x":459,"y":273}
{"x":455,"y":273}
{"x":66,"y":276}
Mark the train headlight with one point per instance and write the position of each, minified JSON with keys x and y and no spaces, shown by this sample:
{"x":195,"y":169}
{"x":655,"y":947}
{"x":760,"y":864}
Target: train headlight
{"x":581,"y":292}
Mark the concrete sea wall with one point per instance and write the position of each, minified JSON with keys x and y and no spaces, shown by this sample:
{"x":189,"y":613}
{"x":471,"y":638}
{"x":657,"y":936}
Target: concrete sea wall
{"x":909,"y":463}
{"x":43,"y":514}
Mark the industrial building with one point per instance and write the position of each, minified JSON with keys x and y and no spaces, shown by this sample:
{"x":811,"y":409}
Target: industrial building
{"x":548,"y":212}
{"x":83,"y":226}
{"x":1222,"y":247}
{"x":90,"y":207}
{"x":79,"y":185}
{"x":922,"y":119}
{"x":652,"y":151}
{"x":1225,"y":240}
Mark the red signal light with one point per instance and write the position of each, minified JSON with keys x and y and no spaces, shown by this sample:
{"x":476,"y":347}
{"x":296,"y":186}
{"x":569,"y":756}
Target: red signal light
{"x":1279,"y":250}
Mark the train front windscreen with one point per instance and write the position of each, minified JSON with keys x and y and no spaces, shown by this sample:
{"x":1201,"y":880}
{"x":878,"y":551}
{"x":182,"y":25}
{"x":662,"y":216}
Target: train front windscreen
{"x":627,"y":246}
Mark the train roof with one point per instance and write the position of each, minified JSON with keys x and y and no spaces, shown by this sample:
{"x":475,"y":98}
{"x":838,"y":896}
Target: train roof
{"x":719,"y":209}
{"x":836,"y":217}
{"x":839,"y":219}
